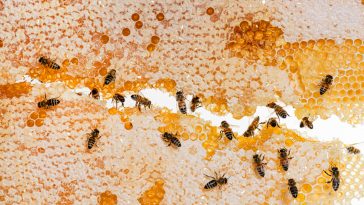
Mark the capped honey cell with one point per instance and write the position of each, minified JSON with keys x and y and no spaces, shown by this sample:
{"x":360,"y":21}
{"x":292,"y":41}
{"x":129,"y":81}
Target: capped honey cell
{"x":155,"y":39}
{"x":210,"y":11}
{"x":160,"y":16}
{"x":138,"y":25}
{"x":126,"y":32}
{"x":135,"y":17}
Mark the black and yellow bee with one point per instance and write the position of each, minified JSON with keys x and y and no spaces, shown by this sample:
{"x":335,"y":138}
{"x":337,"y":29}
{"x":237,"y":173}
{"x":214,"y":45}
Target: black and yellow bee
{"x":95,"y":93}
{"x":180,"y":98}
{"x":335,"y":177}
{"x":171,"y":139}
{"x":110,"y":77}
{"x":259,"y":164}
{"x":280,"y":112}
{"x":47,"y":103}
{"x":292,"y":188}
{"x":353,"y":150}
{"x":140,"y":100}
{"x":225,"y":129}
{"x":252,"y":127}
{"x":195,"y":103}
{"x":118,"y":98}
{"x":216,"y":181}
{"x":284,"y":158}
{"x":92,"y":137}
{"x":326,"y":84}
{"x":271,"y":122}
{"x":305,"y":122}
{"x":48,"y":63}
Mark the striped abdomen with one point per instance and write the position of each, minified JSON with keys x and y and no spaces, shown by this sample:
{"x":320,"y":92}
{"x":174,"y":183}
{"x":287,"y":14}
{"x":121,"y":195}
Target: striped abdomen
{"x":229,"y":134}
{"x":52,"y":102}
{"x":91,"y":141}
{"x":335,"y":183}
{"x":294,"y":191}
{"x":211,"y":184}
{"x":260,"y":170}
{"x":175,"y":141}
{"x":280,"y":111}
{"x":353,"y":150}
{"x":324,"y":87}
{"x":284,"y":163}
{"x":54,"y":66}
{"x":182,"y":107}
{"x":248,"y":133}
{"x":110,"y":77}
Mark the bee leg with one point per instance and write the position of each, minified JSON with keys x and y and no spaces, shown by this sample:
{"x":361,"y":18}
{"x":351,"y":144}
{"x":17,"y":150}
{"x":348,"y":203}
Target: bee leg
{"x":278,"y":125}
{"x":327,"y":173}
{"x":221,"y":132}
{"x":208,"y":176}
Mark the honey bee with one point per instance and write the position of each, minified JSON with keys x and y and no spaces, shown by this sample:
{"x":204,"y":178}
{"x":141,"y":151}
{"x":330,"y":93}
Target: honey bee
{"x":284,"y":158}
{"x":47,"y":103}
{"x":306,"y":122}
{"x":92,"y":137}
{"x":272,"y":122}
{"x":140,"y":100}
{"x":252,"y":127}
{"x":95,"y":93}
{"x":280,"y":112}
{"x":259,"y":164}
{"x":353,"y":150}
{"x":110,"y":77}
{"x":216,"y":181}
{"x":292,"y":187}
{"x":325,"y":84}
{"x":118,"y":98}
{"x":226,"y":130}
{"x":195,"y":103}
{"x":171,"y":139}
{"x":48,"y":63}
{"x":181,"y":102}
{"x":335,"y":174}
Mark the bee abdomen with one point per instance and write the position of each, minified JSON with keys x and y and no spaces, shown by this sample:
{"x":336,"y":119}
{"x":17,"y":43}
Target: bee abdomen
{"x":248,"y":133}
{"x":353,"y":150}
{"x":229,"y":135}
{"x":176,"y":141}
{"x":53,"y":102}
{"x":91,"y":142}
{"x":182,"y":107}
{"x":260,"y":170}
{"x":323,"y":89}
{"x":109,"y":79}
{"x":54,"y":66}
{"x":282,"y":113}
{"x":211,"y":184}
{"x":294,"y":191}
{"x":335,"y":184}
{"x":285,"y":166}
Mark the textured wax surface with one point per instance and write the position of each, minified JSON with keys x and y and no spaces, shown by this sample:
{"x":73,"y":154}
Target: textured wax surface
{"x":236,"y":56}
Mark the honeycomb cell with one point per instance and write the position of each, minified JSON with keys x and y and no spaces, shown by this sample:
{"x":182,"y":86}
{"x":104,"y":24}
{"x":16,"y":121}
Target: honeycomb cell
{"x":41,"y":150}
{"x":103,"y":71}
{"x":104,"y":39}
{"x":210,"y":11}
{"x":39,"y":122}
{"x":113,"y":111}
{"x":74,"y":61}
{"x":151,"y":47}
{"x":128,"y":125}
{"x":30,"y":123}
{"x":107,"y":198}
{"x":126,"y":32}
{"x":155,"y":39}
{"x":135,"y":17}
{"x":160,"y":16}
{"x":34,"y":115}
{"x":153,"y":195}
{"x":138,"y":25}
{"x":1,"y":43}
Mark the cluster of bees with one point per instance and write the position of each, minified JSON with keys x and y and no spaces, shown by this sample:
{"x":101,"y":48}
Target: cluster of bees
{"x":172,"y":139}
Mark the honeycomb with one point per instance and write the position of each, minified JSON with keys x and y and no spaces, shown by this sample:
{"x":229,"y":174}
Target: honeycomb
{"x":235,"y":56}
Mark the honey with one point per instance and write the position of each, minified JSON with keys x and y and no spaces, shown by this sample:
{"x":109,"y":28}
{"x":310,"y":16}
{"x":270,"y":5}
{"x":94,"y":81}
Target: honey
{"x":160,"y":16}
{"x":151,"y":47}
{"x":126,"y":32}
{"x":107,"y":198}
{"x":153,"y":195}
{"x":138,"y":25}
{"x":135,"y":17}
{"x":104,"y":39}
{"x":210,"y":11}
{"x":155,"y":39}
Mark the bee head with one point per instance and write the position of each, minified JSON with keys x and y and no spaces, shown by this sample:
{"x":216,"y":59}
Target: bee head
{"x":329,"y":77}
{"x":256,"y":157}
{"x":291,"y":182}
{"x":334,"y":169}
{"x":134,"y":96}
{"x":271,"y":105}
{"x":41,"y":104}
{"x":96,"y":131}
{"x":195,"y":99}
{"x":94,"y":91}
{"x":224,"y":124}
{"x":179,"y":93}
{"x":41,"y":59}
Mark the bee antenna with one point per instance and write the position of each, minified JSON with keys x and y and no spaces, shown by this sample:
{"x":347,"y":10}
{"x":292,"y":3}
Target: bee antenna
{"x":357,"y":143}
